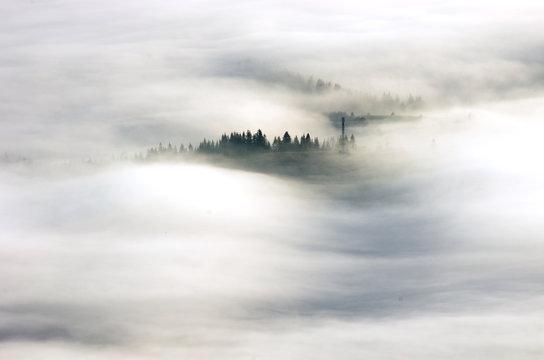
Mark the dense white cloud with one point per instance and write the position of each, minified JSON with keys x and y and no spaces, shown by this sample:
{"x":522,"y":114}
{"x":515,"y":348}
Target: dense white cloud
{"x":428,"y":248}
{"x":423,"y":248}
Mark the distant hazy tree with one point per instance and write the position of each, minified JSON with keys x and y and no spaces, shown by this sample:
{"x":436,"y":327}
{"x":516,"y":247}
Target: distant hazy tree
{"x":305,"y":141}
{"x":286,"y":138}
{"x":410,"y":103}
{"x":418,"y":103}
{"x":249,"y":137}
{"x":310,"y":84}
{"x":259,"y":140}
{"x":276,"y":144}
{"x":319,"y":85}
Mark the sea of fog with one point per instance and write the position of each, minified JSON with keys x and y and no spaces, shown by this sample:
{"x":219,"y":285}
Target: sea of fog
{"x":432,"y":249}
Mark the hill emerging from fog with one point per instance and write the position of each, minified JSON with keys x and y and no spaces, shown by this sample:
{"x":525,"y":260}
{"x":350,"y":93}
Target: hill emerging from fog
{"x":361,"y":99}
{"x":300,"y":156}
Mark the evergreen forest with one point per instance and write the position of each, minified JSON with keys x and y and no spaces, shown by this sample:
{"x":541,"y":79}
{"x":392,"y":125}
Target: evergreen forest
{"x":238,"y":144}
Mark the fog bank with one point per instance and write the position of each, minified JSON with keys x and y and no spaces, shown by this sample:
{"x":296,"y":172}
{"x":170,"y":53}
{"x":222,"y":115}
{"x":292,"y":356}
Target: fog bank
{"x":424,"y":242}
{"x":429,"y":244}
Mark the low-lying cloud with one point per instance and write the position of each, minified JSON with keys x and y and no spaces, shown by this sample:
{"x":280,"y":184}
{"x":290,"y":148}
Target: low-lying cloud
{"x":426,"y":247}
{"x":426,"y":241}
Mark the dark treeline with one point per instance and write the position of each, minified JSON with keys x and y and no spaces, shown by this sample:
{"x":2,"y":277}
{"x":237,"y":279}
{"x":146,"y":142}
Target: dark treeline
{"x":245,"y":143}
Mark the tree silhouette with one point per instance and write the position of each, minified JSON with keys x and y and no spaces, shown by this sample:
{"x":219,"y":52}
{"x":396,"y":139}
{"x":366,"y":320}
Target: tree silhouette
{"x":286,"y":138}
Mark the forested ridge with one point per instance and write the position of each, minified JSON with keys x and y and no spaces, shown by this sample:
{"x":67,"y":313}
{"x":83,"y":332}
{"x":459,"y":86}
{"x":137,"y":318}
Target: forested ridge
{"x":238,"y":144}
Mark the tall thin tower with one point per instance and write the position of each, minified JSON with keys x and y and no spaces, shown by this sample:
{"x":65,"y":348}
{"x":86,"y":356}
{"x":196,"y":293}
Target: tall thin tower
{"x":343,"y":138}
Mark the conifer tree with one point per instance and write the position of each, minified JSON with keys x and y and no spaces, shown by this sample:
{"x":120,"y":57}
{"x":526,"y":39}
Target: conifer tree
{"x":286,"y":138}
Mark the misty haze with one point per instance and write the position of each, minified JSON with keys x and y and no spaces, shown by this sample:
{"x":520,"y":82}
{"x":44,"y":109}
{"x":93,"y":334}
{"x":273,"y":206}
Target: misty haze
{"x":271,"y":180}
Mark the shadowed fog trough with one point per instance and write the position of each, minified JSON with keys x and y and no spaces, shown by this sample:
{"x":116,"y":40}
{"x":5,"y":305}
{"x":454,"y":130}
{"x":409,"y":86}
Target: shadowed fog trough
{"x":424,"y":242}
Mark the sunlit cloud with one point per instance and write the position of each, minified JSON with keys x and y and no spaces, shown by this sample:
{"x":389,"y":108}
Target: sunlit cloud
{"x":423,"y":242}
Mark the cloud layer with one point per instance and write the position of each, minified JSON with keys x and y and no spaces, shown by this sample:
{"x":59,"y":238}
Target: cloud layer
{"x":163,"y":261}
{"x":427,"y":249}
